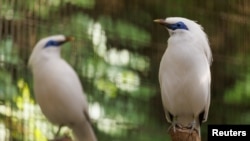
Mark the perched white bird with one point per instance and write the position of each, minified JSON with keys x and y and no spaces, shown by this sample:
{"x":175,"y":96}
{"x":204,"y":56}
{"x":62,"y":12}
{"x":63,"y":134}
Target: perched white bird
{"x":58,"y":90}
{"x":184,"y":73}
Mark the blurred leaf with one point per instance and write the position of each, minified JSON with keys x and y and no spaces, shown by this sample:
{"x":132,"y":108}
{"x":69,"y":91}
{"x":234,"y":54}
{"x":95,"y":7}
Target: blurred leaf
{"x":83,"y":3}
{"x":240,"y":93}
{"x":107,"y":87}
{"x":124,"y":32}
{"x":7,"y":88}
{"x":8,"y":54}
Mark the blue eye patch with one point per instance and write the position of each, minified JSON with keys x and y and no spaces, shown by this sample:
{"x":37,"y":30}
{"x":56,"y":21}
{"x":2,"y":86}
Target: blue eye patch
{"x":178,"y":25}
{"x":53,"y":43}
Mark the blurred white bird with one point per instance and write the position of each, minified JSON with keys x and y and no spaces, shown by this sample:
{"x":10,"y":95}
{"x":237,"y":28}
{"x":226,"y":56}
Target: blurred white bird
{"x":184,"y":73}
{"x":58,"y":90}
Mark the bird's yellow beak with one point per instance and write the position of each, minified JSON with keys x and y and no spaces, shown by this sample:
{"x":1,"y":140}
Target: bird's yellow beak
{"x":69,"y":38}
{"x":160,"y":21}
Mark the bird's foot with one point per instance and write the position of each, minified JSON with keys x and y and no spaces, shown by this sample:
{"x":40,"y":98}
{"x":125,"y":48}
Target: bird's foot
{"x":192,"y":126}
{"x":173,"y":125}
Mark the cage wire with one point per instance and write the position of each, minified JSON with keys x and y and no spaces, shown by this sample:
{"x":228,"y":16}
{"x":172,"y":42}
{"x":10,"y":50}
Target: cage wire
{"x":121,"y":52}
{"x":22,"y":24}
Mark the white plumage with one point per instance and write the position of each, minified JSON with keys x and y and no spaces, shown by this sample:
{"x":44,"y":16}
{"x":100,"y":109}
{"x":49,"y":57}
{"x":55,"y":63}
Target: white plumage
{"x":184,"y":73}
{"x":57,"y":88}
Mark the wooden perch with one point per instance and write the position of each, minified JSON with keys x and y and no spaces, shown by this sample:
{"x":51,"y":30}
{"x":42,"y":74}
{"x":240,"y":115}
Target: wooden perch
{"x":64,"y":138}
{"x":184,"y":134}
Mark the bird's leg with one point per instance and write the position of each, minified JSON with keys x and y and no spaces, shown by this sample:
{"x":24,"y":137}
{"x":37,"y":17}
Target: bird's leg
{"x":173,"y":124}
{"x":58,"y":131}
{"x":192,"y":125}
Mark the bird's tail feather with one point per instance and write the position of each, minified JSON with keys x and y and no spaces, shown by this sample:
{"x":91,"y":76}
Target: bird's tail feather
{"x":83,"y":131}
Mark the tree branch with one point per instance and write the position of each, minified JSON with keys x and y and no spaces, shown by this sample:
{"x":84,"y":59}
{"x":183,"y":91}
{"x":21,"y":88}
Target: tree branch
{"x":183,"y":134}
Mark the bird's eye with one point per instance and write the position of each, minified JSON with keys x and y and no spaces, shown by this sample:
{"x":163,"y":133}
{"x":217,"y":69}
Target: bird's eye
{"x":53,"y":43}
{"x":181,"y":25}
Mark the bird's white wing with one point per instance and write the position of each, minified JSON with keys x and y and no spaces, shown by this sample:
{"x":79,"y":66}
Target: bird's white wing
{"x":164,"y":102}
{"x":58,"y":82}
{"x":208,"y":102}
{"x":209,"y":58}
{"x":207,"y":49}
{"x":163,"y":87}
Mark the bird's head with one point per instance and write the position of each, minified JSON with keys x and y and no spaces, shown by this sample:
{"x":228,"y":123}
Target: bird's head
{"x":179,"y":25}
{"x":183,"y":29}
{"x":48,"y":46}
{"x":53,"y":41}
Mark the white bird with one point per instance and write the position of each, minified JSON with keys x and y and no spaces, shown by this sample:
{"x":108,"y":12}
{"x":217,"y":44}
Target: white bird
{"x":58,"y":90}
{"x":184,"y":73}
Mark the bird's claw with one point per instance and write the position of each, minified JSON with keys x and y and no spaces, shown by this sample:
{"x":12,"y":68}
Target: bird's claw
{"x":192,"y":126}
{"x":173,"y":125}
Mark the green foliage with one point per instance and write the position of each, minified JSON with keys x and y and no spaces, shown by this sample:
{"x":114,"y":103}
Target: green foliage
{"x":7,"y":89}
{"x":240,"y":92}
{"x":115,"y":53}
{"x":8,"y":53}
{"x":107,"y":87}
{"x":89,"y":4}
{"x":123,"y":31}
{"x":8,"y":59}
